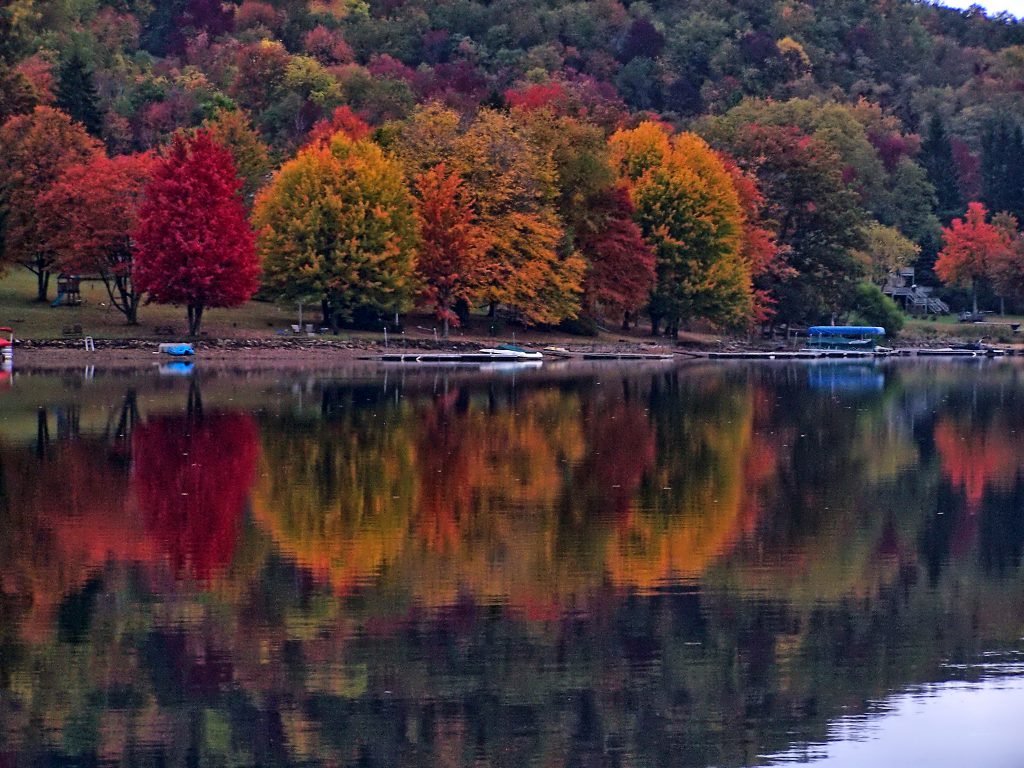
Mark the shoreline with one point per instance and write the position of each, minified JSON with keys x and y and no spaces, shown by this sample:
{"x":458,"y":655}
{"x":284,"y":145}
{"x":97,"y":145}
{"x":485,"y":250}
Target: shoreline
{"x":323,"y":354}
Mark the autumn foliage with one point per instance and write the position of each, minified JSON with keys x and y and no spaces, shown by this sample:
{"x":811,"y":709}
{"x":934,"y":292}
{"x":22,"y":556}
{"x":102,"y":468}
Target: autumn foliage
{"x":90,"y":214}
{"x":195,"y":246}
{"x":621,"y":265}
{"x":972,"y":248}
{"x":337,"y":225}
{"x":688,"y":208}
{"x":453,"y":246}
{"x":35,"y":149}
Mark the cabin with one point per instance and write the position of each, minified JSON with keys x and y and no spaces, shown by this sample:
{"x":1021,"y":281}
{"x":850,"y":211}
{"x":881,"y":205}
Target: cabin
{"x":901,"y":286}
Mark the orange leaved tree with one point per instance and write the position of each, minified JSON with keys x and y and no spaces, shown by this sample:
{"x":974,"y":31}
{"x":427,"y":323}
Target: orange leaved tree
{"x":451,"y":257}
{"x":971,"y":247}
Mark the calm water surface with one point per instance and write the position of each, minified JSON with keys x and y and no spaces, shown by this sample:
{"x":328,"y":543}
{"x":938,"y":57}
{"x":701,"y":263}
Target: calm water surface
{"x":598,"y":566}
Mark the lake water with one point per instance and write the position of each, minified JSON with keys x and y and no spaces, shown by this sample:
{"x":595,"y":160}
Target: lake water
{"x":652,"y":565}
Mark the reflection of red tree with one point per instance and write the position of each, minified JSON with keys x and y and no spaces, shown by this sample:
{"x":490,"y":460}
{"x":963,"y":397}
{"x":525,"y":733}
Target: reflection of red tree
{"x":620,"y":443}
{"x":71,"y":519}
{"x":192,"y":478}
{"x":974,"y":459}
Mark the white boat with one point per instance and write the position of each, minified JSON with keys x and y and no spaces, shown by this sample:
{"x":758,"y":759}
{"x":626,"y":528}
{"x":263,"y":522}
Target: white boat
{"x":511,"y":352}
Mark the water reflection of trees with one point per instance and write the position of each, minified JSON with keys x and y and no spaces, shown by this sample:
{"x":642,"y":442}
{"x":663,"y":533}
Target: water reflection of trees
{"x":630,"y":569}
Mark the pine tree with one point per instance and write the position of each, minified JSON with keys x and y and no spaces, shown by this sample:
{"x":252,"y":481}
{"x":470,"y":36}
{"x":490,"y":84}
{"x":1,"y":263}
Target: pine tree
{"x":937,"y":159}
{"x":1002,"y":163}
{"x":77,"y":94}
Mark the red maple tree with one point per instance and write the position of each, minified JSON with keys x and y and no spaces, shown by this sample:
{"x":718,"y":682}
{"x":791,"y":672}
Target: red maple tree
{"x":89,"y":214}
{"x":343,"y":119}
{"x":453,"y":245}
{"x":620,"y":271}
{"x":194,"y":243}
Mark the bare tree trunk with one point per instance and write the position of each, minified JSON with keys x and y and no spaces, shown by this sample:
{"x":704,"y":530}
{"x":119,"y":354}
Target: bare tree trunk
{"x":195,"y":319}
{"x":42,"y":282}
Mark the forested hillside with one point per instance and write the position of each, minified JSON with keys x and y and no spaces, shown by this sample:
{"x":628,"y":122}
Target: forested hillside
{"x":732,"y":162}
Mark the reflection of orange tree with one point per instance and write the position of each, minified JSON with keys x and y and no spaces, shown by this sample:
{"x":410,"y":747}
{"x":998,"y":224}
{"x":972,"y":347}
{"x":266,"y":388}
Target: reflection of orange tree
{"x":478,"y":463}
{"x":492,"y":474}
{"x":691,"y":510}
{"x":191,"y":477}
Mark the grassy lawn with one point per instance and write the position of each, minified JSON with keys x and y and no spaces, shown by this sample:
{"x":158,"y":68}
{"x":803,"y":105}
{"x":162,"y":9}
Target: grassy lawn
{"x":256,"y":319}
{"x":995,"y":328}
{"x":35,"y":320}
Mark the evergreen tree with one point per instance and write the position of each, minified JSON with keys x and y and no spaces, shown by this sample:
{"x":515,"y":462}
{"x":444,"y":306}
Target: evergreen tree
{"x":1002,"y":166}
{"x":937,"y":159}
{"x":76,"y":94}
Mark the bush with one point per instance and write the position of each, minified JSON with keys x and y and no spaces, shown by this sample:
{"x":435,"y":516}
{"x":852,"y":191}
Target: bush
{"x":579,"y":326}
{"x":872,"y":307}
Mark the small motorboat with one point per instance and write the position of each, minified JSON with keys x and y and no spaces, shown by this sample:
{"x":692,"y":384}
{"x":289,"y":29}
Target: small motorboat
{"x":511,"y":352}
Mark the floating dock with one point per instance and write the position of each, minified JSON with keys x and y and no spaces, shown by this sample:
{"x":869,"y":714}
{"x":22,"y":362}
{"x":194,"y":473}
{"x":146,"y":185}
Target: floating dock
{"x":625,"y":356}
{"x":803,"y":354}
{"x":951,"y":352}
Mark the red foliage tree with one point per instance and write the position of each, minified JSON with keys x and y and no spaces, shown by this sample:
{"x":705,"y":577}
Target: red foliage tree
{"x":344,"y":120}
{"x":537,"y":96}
{"x":452,"y":244}
{"x":191,"y":476}
{"x":620,"y":263}
{"x":195,"y":246}
{"x":90,"y":214}
{"x":971,"y":246}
